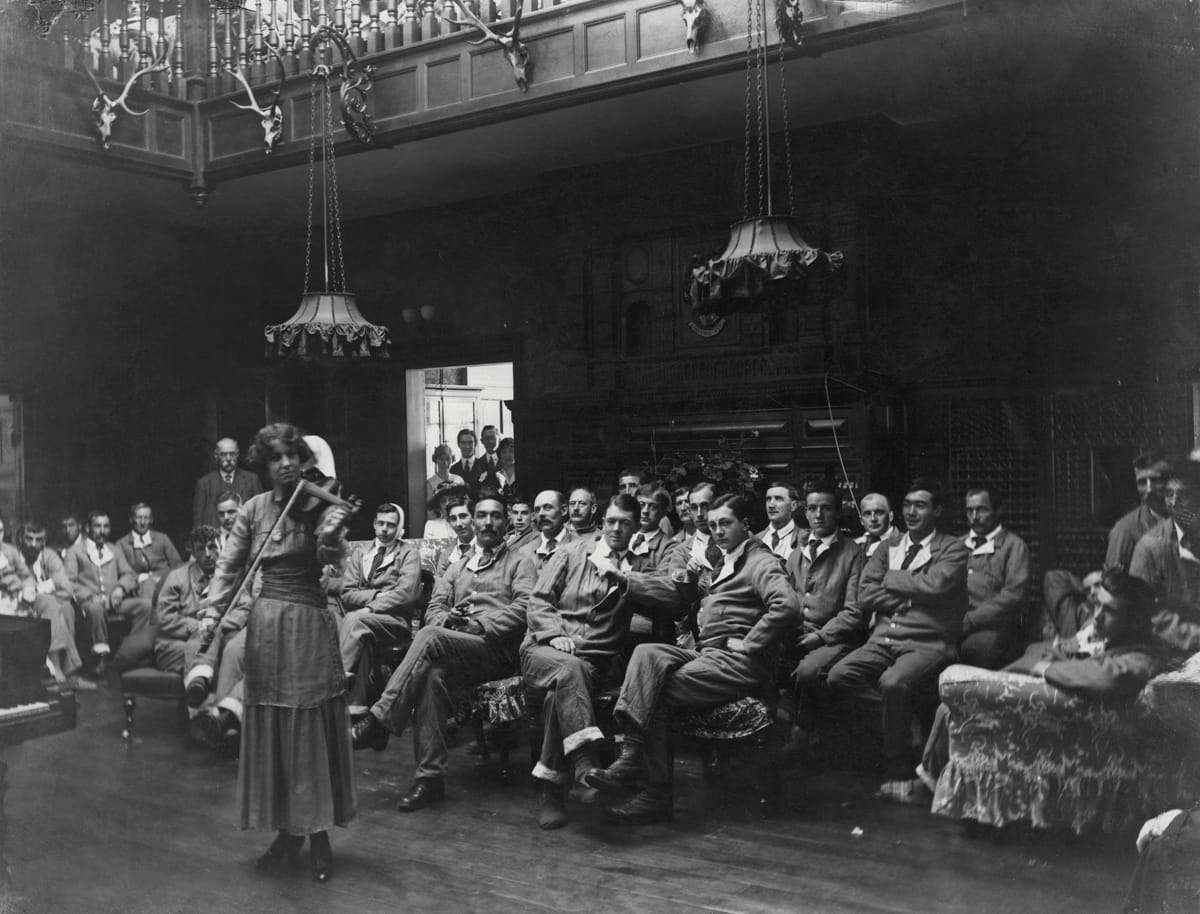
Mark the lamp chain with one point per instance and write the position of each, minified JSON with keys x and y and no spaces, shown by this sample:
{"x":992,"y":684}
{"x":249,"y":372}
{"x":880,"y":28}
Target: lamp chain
{"x":312,"y":161}
{"x":787,"y":135}
{"x":763,"y":138}
{"x":749,"y":65}
{"x":339,"y":276}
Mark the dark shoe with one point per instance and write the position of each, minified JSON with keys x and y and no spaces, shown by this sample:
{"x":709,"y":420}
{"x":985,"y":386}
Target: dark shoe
{"x":623,"y":771}
{"x":646,"y":808}
{"x":205,"y":729}
{"x":583,"y":760}
{"x":368,"y":732}
{"x":320,"y":856}
{"x":197,"y":691}
{"x":284,"y":849}
{"x":552,"y":812}
{"x":230,"y":742}
{"x":425,"y":792}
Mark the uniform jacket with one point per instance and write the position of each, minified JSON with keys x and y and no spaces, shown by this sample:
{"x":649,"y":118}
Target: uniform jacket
{"x":14,"y":574}
{"x":497,"y":594}
{"x":178,"y":608}
{"x":998,"y":581}
{"x":160,"y":557}
{"x":1118,"y":672}
{"x":891,"y":538}
{"x":924,"y":603}
{"x":48,"y":571}
{"x":755,"y":602}
{"x":89,"y":580}
{"x":450,"y":553}
{"x":828,"y":590}
{"x":573,"y":599}
{"x":518,"y":541}
{"x":1176,"y":583}
{"x":396,"y":586}
{"x":794,"y":538}
{"x":539,"y":560}
{"x":210,"y":485}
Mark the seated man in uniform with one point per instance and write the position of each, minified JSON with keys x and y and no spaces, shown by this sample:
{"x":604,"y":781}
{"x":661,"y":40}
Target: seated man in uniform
{"x":781,"y":532}
{"x":1151,"y":473}
{"x":102,"y":582}
{"x":824,"y":569}
{"x":578,"y":620}
{"x":582,"y":511}
{"x":149,"y":553}
{"x":472,"y":631}
{"x":749,"y":608}
{"x":654,"y":547}
{"x":227,"y":504}
{"x":70,"y":533}
{"x":684,"y":512}
{"x":50,"y":599}
{"x":462,"y":525}
{"x":379,"y":587}
{"x":520,"y":520}
{"x":917,"y":590}
{"x":875,"y":511}
{"x":549,"y":520}
{"x":997,"y":584}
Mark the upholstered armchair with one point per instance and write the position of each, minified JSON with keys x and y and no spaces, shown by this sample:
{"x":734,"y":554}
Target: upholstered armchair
{"x":1022,"y":750}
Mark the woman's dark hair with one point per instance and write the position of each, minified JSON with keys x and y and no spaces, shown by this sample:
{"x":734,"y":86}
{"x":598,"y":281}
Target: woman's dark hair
{"x":738,"y":504}
{"x":264,"y":444}
{"x":506,"y":442}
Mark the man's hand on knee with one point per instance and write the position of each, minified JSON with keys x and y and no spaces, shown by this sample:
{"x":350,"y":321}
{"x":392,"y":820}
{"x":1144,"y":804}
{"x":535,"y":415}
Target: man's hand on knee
{"x":563,"y":643}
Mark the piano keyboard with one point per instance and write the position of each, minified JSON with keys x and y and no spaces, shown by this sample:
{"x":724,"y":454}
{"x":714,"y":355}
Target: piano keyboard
{"x":17,"y":712}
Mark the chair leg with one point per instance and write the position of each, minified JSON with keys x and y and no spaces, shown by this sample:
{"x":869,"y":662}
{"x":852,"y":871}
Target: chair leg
{"x":130,"y":705}
{"x":485,"y":752}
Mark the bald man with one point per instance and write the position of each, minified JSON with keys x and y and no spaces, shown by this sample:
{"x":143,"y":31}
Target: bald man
{"x":226,"y":477}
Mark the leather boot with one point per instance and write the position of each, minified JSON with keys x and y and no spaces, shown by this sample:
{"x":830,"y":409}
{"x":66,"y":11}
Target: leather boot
{"x":552,"y":812}
{"x":368,"y":732}
{"x":583,"y":760}
{"x":623,"y":771}
{"x":645,"y":808}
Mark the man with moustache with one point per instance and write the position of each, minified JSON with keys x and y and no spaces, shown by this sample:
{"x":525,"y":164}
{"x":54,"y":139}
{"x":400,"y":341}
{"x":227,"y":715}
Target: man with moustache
{"x":549,"y":520}
{"x":581,"y":508}
{"x":748,"y":610}
{"x":227,"y":476}
{"x":149,"y":553}
{"x":101,"y":583}
{"x":578,"y":619}
{"x":917,"y":591}
{"x":825,"y":570}
{"x":998,"y":576}
{"x":781,"y":533}
{"x":876,"y":513}
{"x":380,"y":585}
{"x":472,"y":632}
{"x":684,"y":512}
{"x":48,"y":596}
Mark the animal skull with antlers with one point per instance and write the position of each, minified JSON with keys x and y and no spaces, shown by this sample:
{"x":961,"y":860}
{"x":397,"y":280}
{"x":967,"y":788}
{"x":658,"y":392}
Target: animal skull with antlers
{"x":515,"y":51}
{"x":272,"y":117}
{"x":695,"y":20}
{"x":104,"y":109}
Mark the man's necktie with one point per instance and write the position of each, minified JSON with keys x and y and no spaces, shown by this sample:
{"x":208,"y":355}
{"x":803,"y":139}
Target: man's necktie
{"x":551,"y":545}
{"x":910,"y":555}
{"x":872,"y":539}
{"x":375,"y":563}
{"x":813,"y":545}
{"x":637,"y":542}
{"x":715,"y":558}
{"x":774,"y":540}
{"x":977,"y":541}
{"x":486,"y":557}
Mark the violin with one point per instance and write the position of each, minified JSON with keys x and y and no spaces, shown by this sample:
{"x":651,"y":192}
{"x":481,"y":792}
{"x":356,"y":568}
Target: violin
{"x":316,"y":492}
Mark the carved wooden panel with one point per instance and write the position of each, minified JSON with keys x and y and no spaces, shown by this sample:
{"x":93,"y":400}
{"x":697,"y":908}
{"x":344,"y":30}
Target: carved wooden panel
{"x":659,"y":31}
{"x":604,"y":43}
{"x":394,"y":94}
{"x":443,"y":82}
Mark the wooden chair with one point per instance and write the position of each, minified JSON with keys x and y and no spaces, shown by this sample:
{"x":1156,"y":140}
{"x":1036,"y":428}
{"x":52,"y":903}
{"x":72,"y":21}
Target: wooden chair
{"x":746,"y":725}
{"x":147,"y":682}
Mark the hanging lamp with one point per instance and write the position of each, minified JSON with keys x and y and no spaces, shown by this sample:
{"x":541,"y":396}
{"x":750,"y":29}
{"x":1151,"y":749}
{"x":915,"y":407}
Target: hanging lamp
{"x":764,"y":247}
{"x":327,"y":323}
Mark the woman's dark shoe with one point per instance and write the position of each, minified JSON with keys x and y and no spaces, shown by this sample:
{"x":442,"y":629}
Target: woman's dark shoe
{"x":284,"y":849}
{"x":425,"y":792}
{"x":368,"y":732}
{"x":320,"y":856}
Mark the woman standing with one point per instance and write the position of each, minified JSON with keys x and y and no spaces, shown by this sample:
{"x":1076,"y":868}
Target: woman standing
{"x":296,"y":773}
{"x":507,"y":474}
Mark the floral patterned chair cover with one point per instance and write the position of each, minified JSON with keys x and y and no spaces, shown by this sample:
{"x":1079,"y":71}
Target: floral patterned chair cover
{"x":1022,"y":750}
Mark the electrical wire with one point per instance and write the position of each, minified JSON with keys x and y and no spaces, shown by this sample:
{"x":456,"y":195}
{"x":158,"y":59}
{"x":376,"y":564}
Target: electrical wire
{"x":838,"y":447}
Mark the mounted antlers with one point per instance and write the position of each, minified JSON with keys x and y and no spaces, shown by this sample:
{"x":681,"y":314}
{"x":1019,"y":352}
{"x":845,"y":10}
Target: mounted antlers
{"x":695,"y":20}
{"x":104,"y":109}
{"x":272,"y":117}
{"x":515,"y":51}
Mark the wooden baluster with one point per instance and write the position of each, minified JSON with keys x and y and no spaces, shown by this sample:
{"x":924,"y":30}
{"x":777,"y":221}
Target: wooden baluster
{"x":306,"y":30}
{"x":404,"y":24}
{"x":256,"y":44}
{"x":214,"y":52}
{"x":225,"y":81}
{"x":506,"y":9}
{"x":143,"y":40}
{"x":177,"y":53}
{"x":339,"y":16}
{"x":289,"y":39}
{"x":103,"y":63}
{"x":323,"y":51}
{"x":243,"y":44}
{"x":374,"y":36}
{"x":356,"y":27}
{"x":124,"y":43}
{"x":68,"y":49}
{"x":162,"y":81}
{"x":431,"y":26}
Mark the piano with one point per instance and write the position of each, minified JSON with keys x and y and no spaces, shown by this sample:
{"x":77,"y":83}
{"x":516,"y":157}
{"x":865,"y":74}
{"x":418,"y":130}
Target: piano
{"x":32,"y":704}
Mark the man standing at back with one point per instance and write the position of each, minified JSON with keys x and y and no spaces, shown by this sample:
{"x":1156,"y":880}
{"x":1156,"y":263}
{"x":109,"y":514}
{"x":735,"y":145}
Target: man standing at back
{"x":227,"y":476}
{"x":1151,"y":473}
{"x":917,"y":590}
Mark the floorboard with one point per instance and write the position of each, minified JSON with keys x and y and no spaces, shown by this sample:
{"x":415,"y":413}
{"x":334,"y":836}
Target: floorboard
{"x":96,"y":825}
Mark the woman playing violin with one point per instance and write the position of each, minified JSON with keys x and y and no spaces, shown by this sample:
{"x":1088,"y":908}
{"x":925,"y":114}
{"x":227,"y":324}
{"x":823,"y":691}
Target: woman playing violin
{"x":296,"y":774}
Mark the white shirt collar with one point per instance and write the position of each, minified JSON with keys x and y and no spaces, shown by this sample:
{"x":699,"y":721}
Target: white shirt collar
{"x":98,"y":555}
{"x":990,"y":537}
{"x":728,"y":560}
{"x":142,"y":540}
{"x":785,"y":531}
{"x":647,"y":542}
{"x":907,"y":540}
{"x":604,"y":553}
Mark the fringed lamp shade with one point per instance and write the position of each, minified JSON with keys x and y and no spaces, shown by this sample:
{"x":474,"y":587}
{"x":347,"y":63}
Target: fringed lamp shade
{"x":327,"y":324}
{"x":760,"y":250}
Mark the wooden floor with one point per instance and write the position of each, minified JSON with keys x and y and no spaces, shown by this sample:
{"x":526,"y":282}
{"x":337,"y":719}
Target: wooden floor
{"x":97,"y":826}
